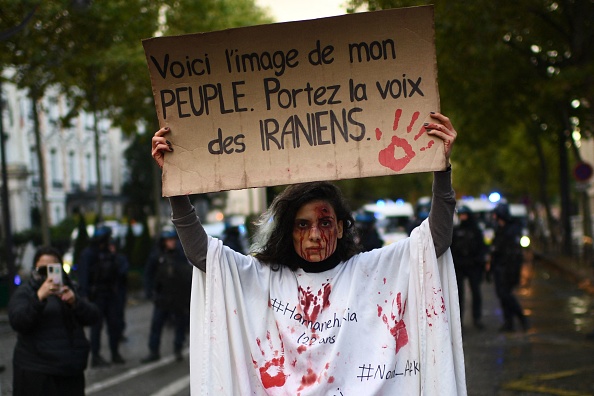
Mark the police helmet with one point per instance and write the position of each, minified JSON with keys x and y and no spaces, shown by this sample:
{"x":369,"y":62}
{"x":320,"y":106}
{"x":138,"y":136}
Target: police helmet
{"x":501,"y":211}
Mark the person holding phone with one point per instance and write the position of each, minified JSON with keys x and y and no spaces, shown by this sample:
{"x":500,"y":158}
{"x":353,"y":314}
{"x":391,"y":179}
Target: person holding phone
{"x":52,"y":350}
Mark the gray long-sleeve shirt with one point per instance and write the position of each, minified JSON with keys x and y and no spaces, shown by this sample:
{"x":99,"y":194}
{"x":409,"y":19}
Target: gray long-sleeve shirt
{"x":195,"y":243}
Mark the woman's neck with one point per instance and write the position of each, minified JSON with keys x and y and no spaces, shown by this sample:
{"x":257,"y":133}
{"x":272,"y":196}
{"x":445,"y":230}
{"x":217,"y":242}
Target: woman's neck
{"x":319,"y":266}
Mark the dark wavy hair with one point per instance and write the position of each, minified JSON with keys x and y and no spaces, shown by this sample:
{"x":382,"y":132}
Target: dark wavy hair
{"x":273,"y":240}
{"x":49,"y":251}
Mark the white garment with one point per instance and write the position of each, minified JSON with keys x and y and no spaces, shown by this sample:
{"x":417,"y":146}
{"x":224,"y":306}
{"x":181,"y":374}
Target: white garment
{"x":385,"y":322}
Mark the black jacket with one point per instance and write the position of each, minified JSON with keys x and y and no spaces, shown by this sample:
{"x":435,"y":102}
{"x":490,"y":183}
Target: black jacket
{"x":468,"y":245}
{"x":168,"y":280}
{"x":51,"y":337}
{"x":507,"y":256}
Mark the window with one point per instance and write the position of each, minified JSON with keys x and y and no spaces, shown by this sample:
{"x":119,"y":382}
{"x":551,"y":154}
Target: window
{"x":34,"y":168}
{"x":90,"y":171}
{"x":73,"y":171}
{"x":55,"y":170}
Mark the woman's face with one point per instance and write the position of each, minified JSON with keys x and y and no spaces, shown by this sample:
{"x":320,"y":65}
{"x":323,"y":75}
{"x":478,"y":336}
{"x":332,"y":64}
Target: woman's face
{"x":316,"y":231}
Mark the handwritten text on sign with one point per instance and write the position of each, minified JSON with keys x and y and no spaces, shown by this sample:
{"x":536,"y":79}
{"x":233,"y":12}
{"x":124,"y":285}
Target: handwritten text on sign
{"x":326,"y":99}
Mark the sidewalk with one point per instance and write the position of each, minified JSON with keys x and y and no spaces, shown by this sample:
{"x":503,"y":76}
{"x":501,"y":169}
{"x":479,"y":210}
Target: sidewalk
{"x":577,"y":271}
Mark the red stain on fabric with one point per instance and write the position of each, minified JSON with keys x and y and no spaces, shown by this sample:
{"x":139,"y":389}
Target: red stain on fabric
{"x":395,"y":322}
{"x":308,"y":379}
{"x":272,"y":371}
{"x":312,"y":303}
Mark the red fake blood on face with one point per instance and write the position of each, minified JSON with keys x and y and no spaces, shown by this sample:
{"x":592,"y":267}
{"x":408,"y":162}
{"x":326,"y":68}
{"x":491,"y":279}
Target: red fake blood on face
{"x":319,"y":240}
{"x":313,"y":303}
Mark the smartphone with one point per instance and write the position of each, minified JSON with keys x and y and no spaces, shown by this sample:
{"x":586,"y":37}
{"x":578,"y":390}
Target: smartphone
{"x":54,"y":271}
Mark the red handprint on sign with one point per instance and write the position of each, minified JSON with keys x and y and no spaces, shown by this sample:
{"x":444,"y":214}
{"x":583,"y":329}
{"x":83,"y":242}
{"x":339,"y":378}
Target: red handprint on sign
{"x":272,"y":371}
{"x":395,"y":324}
{"x":387,"y":156}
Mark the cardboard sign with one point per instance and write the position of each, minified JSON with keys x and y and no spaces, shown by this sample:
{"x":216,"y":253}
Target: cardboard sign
{"x":325,"y":99}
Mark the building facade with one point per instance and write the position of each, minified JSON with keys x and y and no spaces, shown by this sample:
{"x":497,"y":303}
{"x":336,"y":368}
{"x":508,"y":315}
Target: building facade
{"x":68,"y":154}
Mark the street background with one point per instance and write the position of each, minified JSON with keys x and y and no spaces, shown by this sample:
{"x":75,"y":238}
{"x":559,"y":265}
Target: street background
{"x":553,"y":358}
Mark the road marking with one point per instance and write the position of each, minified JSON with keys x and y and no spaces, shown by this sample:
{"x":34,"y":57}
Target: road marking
{"x":134,"y":372}
{"x":174,"y":387}
{"x":528,"y":383}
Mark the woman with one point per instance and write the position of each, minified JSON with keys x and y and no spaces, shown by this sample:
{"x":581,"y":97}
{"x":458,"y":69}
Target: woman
{"x":52,"y":350}
{"x":307,"y":314}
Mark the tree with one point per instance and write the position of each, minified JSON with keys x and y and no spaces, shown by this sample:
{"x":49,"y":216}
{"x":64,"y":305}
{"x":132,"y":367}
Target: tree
{"x":512,"y":70}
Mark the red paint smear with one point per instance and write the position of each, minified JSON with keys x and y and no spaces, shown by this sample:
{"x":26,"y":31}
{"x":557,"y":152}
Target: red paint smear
{"x":398,"y":331}
{"x":308,"y":379}
{"x":276,"y":380}
{"x":312,"y":304}
{"x":378,"y":134}
{"x":301,"y":349}
{"x":429,"y":145}
{"x":274,"y":365}
{"x":412,"y":121}
{"x":397,"y":116}
{"x":384,"y":281}
{"x":420,"y":133}
{"x":387,"y":158}
{"x":331,"y":380}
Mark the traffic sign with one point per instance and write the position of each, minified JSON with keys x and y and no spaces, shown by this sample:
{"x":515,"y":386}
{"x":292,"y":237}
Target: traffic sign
{"x":582,"y":171}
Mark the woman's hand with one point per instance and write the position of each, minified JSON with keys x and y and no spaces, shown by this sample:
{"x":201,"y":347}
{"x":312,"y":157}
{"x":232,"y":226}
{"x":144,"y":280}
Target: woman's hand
{"x":47,"y":289}
{"x":160,"y":145}
{"x":444,"y":130}
{"x":68,"y":295}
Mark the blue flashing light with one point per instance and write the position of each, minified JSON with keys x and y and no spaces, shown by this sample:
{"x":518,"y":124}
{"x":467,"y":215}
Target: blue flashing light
{"x":494,"y":197}
{"x":17,"y":280}
{"x":400,"y":201}
{"x":381,"y":202}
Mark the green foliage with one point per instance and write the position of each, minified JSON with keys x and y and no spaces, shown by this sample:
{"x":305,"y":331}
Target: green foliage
{"x":82,"y":238}
{"x":507,"y":74}
{"x":60,"y":234}
{"x":138,"y":188}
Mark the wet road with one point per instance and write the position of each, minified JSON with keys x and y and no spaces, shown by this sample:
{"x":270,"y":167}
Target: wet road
{"x":552,"y":358}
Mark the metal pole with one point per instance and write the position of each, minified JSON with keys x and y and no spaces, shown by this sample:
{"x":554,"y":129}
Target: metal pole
{"x":8,"y":242}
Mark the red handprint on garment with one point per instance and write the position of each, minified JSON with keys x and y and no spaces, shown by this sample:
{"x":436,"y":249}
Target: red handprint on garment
{"x":311,"y":378}
{"x":272,"y":371}
{"x":312,"y":303}
{"x":387,"y":156}
{"x":395,"y":322}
